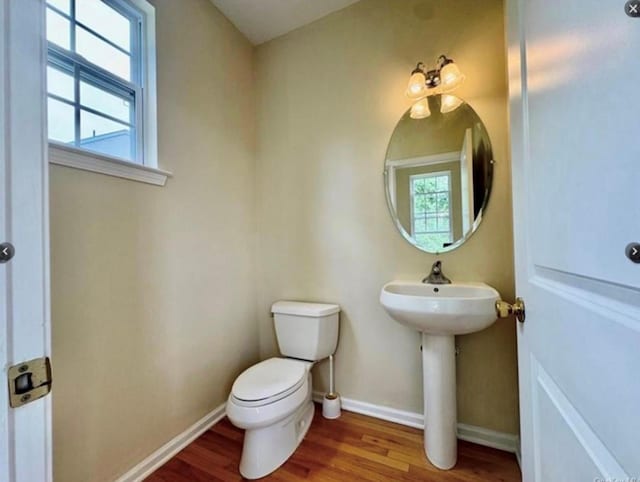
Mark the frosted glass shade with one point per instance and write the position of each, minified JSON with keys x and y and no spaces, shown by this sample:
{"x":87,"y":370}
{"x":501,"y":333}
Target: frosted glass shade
{"x":450,"y":77}
{"x":420,"y":109}
{"x":417,"y":86}
{"x":449,"y":103}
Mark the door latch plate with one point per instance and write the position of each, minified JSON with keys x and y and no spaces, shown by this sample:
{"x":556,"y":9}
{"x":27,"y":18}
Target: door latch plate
{"x":29,"y":381}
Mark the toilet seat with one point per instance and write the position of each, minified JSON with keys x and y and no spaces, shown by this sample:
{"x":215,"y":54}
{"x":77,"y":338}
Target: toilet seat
{"x":269,"y":381}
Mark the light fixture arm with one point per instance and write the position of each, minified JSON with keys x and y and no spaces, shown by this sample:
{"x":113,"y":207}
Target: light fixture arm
{"x":442,"y":61}
{"x":420,"y":67}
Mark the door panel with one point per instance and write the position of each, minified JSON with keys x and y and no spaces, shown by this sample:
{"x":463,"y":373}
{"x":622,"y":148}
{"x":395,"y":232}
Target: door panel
{"x":576,"y":172}
{"x":565,"y":451}
{"x":589,"y":346}
{"x":582,"y":73}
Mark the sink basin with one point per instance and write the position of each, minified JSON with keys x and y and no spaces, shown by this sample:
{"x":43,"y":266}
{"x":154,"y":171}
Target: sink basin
{"x":440,"y":312}
{"x":453,"y":309}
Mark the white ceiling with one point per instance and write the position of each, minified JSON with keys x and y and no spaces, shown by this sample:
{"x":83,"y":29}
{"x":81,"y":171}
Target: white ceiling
{"x":262,"y":20}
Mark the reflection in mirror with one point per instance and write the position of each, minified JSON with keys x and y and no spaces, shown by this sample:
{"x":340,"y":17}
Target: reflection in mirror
{"x":438,"y":173}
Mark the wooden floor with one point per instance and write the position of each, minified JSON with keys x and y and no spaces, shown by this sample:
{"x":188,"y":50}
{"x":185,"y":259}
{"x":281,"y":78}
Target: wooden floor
{"x":353,"y":447}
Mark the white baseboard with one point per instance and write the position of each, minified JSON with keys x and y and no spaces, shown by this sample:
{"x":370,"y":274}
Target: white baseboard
{"x":158,"y":458}
{"x":469,"y":433}
{"x":490,"y":438}
{"x":410,"y":419}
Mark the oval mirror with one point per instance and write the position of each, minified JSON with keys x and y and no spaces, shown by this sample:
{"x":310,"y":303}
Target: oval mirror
{"x":438,"y":172}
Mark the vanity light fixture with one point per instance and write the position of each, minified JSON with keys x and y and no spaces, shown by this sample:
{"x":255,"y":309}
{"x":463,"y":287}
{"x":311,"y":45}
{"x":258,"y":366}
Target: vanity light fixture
{"x":424,"y":83}
{"x":444,"y":78}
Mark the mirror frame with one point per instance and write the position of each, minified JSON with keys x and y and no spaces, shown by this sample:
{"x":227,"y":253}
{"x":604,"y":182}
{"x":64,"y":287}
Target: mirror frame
{"x":477,"y":220}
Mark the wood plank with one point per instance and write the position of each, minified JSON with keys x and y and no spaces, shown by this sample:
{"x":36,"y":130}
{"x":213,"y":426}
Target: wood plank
{"x":210,"y":462}
{"x":347,"y":448}
{"x":352,"y":448}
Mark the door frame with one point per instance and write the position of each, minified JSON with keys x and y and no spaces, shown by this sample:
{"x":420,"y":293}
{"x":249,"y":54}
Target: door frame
{"x":25,"y":319}
{"x":516,"y":62}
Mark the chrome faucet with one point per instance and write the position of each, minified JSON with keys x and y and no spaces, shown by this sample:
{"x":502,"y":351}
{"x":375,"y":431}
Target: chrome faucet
{"x":436,"y":277}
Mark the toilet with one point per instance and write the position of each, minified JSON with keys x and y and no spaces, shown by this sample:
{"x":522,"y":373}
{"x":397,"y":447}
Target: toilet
{"x":272,"y":399}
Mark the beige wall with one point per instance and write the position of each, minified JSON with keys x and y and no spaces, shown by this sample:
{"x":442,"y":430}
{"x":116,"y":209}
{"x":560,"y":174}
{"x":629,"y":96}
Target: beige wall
{"x":329,"y":96}
{"x":153,"y":288}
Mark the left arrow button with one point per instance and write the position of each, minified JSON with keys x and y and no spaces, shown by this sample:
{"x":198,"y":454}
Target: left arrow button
{"x":7,"y":251}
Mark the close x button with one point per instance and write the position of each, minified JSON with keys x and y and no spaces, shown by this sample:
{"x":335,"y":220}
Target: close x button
{"x":632,"y":8}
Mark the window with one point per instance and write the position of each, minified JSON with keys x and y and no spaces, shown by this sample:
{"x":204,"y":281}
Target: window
{"x":100,"y":89}
{"x":431,"y":210}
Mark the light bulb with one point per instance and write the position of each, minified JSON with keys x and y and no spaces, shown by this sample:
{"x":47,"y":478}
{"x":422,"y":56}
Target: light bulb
{"x":449,"y":103}
{"x":417,"y":87}
{"x":420,"y":109}
{"x":450,"y":77}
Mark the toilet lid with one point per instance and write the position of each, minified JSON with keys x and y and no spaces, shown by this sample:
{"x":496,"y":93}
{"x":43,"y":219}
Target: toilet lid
{"x":269,"y":378}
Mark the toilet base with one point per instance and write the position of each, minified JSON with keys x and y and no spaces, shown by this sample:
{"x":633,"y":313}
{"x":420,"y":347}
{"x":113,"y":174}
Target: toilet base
{"x":265,"y":449}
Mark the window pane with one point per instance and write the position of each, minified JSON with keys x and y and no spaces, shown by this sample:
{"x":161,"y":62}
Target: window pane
{"x":106,"y":21}
{"x":443,"y":202}
{"x":432,"y":225}
{"x":418,"y":204}
{"x":102,"y":54}
{"x":442,"y":183}
{"x":430,"y":203}
{"x":63,"y":5}
{"x":432,"y":242}
{"x":422,"y":240}
{"x":60,"y":120}
{"x":430,"y":183}
{"x":58,"y":30}
{"x":99,"y":99}
{"x":103,"y":135}
{"x":443,"y":223}
{"x":419,"y":225}
{"x":59,"y":83}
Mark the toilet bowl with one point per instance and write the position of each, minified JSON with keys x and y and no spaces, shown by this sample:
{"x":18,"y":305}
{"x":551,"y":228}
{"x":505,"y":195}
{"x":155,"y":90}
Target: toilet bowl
{"x":271,"y":400}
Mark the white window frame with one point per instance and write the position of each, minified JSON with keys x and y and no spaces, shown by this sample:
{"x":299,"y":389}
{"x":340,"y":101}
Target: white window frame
{"x":146,"y":170}
{"x":412,"y":194}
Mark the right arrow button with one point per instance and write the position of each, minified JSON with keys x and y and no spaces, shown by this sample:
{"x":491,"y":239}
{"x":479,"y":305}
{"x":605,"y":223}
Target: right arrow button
{"x":633,"y":252}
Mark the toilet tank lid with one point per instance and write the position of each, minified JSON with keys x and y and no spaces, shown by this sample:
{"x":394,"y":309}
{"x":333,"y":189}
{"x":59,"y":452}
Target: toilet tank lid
{"x":304,"y":309}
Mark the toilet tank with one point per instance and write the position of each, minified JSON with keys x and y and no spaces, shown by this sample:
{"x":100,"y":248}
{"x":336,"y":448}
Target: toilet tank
{"x":308,"y":331}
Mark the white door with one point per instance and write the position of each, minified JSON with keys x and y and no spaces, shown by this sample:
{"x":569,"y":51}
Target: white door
{"x":25,"y":432}
{"x":575,"y":128}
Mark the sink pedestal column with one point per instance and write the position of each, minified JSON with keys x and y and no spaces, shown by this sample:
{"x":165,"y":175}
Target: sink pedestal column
{"x":439,"y":386}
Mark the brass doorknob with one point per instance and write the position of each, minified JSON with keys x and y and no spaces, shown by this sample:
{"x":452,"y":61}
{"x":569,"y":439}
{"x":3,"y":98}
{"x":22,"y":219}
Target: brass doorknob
{"x":504,"y":309}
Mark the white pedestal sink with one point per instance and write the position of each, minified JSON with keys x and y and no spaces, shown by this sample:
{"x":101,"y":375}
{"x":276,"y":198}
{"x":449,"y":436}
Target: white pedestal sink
{"x":440,"y":312}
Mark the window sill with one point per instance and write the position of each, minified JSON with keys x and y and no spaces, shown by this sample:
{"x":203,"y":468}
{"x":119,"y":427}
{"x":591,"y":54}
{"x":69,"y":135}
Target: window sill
{"x":90,"y":161}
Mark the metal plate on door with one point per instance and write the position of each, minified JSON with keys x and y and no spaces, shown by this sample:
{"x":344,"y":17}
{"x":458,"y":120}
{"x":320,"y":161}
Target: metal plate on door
{"x":29,"y":381}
